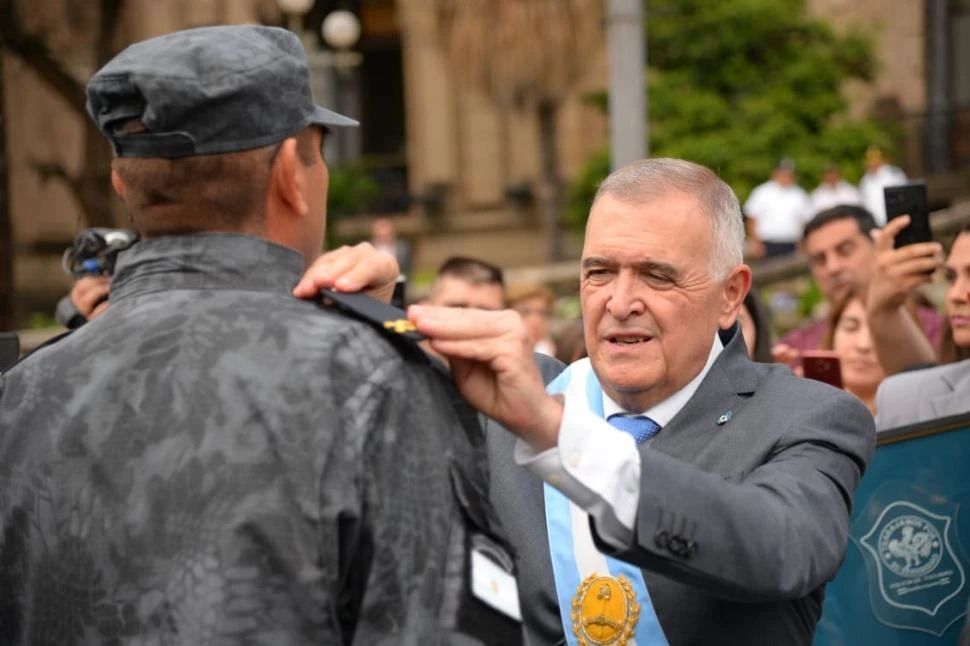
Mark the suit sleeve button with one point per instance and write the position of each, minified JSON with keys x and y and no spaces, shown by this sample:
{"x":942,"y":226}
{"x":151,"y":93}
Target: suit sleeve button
{"x":678,"y":546}
{"x":691,"y":549}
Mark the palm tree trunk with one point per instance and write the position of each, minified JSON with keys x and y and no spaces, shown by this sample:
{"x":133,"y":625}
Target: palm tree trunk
{"x":551,"y":183}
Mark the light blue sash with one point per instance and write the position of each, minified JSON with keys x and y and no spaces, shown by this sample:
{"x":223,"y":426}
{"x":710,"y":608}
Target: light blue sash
{"x":559,"y":527}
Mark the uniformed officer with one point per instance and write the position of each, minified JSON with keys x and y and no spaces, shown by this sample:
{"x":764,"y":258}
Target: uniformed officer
{"x":211,"y":460}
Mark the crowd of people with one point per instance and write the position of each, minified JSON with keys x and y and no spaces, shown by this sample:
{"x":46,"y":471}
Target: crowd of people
{"x":876,"y":320}
{"x":778,"y":210}
{"x":219,"y":454}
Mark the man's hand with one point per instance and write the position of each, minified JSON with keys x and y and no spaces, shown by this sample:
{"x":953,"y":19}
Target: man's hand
{"x":897,"y":272}
{"x":490,"y":354}
{"x":897,"y":338}
{"x":90,"y":295}
{"x":360,"y":268}
{"x":782,"y":353}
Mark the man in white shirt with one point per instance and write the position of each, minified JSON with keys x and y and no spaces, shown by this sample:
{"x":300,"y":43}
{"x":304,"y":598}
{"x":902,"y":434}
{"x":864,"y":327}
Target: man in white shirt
{"x":833,"y":191}
{"x":668,"y":489}
{"x":777,"y":210}
{"x":878,"y":176}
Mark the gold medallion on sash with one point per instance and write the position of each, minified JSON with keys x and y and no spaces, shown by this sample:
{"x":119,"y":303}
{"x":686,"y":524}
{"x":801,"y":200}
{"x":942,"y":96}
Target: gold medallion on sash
{"x":605,"y":611}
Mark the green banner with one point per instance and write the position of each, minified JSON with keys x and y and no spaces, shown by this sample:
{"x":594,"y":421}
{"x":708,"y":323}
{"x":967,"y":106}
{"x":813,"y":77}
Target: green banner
{"x":905,"y":577}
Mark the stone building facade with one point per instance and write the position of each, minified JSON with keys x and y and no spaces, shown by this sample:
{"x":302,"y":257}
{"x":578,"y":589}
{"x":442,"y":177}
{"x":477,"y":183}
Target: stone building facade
{"x":436,"y":142}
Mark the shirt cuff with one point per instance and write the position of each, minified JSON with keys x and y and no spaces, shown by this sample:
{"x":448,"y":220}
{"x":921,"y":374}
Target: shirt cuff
{"x":596,"y":466}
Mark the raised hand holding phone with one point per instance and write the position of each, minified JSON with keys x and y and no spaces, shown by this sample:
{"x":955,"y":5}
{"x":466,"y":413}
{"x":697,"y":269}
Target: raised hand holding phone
{"x":822,"y":365}
{"x":896,"y":274}
{"x":909,"y":199}
{"x":898,"y":270}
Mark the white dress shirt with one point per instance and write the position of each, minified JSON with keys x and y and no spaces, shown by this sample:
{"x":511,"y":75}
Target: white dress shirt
{"x":826,"y":196}
{"x":596,"y":465}
{"x":871,"y":187}
{"x":779,"y":212}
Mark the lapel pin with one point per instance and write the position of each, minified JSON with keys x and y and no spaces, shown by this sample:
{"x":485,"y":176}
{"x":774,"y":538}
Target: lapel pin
{"x":724,"y":419}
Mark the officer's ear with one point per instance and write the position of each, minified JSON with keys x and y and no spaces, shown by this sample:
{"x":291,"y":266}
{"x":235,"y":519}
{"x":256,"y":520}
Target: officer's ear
{"x":288,"y":182}
{"x":733,"y":290}
{"x":118,"y":184}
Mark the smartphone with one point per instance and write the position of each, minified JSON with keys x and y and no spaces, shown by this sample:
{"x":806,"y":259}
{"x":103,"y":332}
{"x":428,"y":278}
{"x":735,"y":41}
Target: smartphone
{"x":399,"y":297}
{"x":822,"y":365}
{"x":9,"y":349}
{"x":909,"y":199}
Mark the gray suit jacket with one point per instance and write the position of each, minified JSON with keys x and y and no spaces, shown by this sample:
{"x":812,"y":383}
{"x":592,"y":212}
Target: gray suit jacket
{"x":739,"y":525}
{"x":922,"y":395}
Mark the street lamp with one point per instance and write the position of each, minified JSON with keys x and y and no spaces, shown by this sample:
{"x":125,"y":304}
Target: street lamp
{"x":341,"y":31}
{"x":330,"y":79}
{"x":294,"y":10}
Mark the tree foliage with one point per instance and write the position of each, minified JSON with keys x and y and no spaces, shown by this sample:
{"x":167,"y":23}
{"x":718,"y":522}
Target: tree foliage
{"x":350,"y":191}
{"x":737,"y":84}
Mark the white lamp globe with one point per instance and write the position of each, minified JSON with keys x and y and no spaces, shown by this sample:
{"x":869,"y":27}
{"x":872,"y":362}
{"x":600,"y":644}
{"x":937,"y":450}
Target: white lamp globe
{"x":295,"y":7}
{"x":340,"y":29}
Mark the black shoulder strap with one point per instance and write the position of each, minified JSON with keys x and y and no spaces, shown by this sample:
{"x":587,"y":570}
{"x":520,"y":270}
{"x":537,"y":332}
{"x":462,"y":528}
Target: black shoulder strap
{"x":390,"y":321}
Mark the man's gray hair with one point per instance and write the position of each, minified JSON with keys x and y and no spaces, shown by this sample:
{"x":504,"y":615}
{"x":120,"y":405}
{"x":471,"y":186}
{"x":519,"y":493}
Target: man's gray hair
{"x":647,"y":179}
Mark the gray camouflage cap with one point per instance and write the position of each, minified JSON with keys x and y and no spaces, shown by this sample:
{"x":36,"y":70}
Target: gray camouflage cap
{"x":207,"y":90}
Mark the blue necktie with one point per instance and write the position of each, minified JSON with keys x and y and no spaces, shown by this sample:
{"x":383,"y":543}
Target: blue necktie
{"x":640,"y":427}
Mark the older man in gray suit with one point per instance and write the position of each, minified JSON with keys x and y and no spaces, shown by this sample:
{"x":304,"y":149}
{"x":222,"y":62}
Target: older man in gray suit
{"x":668,"y":489}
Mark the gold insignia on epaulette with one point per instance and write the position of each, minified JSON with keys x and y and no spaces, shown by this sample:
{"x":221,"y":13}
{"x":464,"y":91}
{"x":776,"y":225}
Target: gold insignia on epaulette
{"x":605,"y":611}
{"x":400,"y":326}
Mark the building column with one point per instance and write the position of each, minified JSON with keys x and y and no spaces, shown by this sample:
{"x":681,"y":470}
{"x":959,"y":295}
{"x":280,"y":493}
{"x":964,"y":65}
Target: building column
{"x":937,"y":85}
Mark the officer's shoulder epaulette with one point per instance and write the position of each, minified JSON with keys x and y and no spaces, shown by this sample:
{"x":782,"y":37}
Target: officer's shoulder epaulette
{"x":389,"y":320}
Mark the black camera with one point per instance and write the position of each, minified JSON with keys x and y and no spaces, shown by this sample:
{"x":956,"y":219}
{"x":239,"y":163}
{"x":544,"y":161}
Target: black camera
{"x":96,"y":250}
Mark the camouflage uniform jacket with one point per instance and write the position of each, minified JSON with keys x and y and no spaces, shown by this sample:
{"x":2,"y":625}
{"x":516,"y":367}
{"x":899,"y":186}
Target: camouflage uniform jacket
{"x":213,"y":461}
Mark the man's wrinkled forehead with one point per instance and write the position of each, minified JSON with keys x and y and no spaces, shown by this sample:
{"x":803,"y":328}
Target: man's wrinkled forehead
{"x":649,"y":211}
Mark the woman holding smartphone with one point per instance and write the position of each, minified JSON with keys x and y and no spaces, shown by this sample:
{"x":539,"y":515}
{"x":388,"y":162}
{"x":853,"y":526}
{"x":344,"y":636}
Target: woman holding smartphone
{"x":848,"y":336}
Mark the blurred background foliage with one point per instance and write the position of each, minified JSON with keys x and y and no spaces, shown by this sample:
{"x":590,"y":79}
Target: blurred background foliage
{"x":351,"y":190}
{"x":738,"y":84}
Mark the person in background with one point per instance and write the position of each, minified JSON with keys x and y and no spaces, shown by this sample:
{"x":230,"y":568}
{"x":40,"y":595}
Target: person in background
{"x":920,"y":395}
{"x":570,"y":344}
{"x":896,"y":276}
{"x":468,"y":282}
{"x":465,"y":282}
{"x":847,"y":333}
{"x":879,"y":175}
{"x":776,"y":212}
{"x":833,"y":191}
{"x":534,"y":303}
{"x":955,"y":345}
{"x":384,"y":238}
{"x":841,"y":253}
{"x":756,"y":327}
